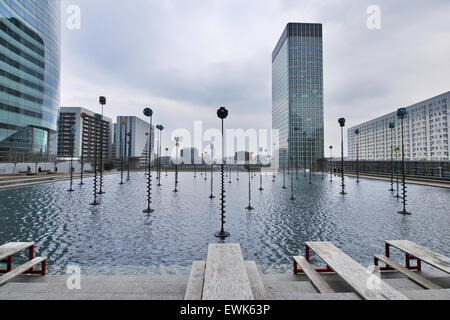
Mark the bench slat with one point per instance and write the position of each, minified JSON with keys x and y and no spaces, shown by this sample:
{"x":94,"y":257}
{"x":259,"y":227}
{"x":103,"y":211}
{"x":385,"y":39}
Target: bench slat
{"x":225,"y":275}
{"x":22,"y":269}
{"x":353,"y":273}
{"x":194,"y":288}
{"x":314,"y":276}
{"x":257,"y":285}
{"x":408,"y":273}
{"x":12,"y":248}
{"x":434,"y":259}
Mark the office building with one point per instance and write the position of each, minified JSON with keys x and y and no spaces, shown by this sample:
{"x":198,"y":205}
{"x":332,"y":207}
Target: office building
{"x":190,"y":156}
{"x":87,"y":133}
{"x":425,"y":133}
{"x":136,"y":130}
{"x":29,"y":77}
{"x":297,"y":93}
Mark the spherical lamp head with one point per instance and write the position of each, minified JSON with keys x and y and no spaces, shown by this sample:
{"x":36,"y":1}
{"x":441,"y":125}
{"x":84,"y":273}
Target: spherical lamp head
{"x":222,"y":113}
{"x":401,"y":113}
{"x":357,"y":131}
{"x":148,"y":112}
{"x":391,"y":125}
{"x":342,"y":122}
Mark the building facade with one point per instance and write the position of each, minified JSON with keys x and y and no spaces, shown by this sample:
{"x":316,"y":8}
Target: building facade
{"x":190,"y":156}
{"x":297,"y":93}
{"x":87,"y":133}
{"x":425,"y":133}
{"x":138,"y":139}
{"x":29,"y":77}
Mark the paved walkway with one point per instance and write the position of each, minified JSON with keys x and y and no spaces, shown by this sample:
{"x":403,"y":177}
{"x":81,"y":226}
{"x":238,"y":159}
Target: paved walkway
{"x":430,"y":183}
{"x":173,"y":287}
{"x":17,"y":181}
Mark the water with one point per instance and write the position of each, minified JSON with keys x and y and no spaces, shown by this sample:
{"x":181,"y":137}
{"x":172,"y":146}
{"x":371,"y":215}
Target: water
{"x":118,"y":238}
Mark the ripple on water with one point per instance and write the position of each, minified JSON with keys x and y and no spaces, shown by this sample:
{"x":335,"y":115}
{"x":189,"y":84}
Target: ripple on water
{"x":116,"y":237}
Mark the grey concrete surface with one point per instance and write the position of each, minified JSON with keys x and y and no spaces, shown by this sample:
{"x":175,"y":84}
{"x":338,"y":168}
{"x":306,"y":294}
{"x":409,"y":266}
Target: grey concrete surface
{"x":172,"y":287}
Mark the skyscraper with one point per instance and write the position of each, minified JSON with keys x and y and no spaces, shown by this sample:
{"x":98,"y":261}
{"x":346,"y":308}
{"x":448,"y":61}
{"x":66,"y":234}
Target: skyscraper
{"x":29,"y":77}
{"x":297,"y":93}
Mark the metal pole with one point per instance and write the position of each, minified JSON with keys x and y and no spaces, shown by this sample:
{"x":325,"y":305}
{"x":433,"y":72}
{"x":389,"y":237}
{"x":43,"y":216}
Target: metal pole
{"x":129,"y":154}
{"x":342,"y":124}
{"x":404,"y":175}
{"x":149,"y":113}
{"x":82,"y":153}
{"x":212,"y":176}
{"x":101,"y":155}
{"x":121,"y":152}
{"x":292,"y":187}
{"x":310,"y":163}
{"x":71,"y":162}
{"x":249,"y":191}
{"x":331,"y":163}
{"x":95,"y":203}
{"x":284,"y":170}
{"x":392,"y":159}
{"x":222,"y":113}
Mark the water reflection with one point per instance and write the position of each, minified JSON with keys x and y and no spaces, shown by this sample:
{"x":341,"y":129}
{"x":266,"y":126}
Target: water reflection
{"x":116,"y":237}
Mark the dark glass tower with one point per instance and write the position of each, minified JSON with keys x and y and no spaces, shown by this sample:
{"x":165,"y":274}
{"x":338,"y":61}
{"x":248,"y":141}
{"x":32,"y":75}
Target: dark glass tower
{"x":297,"y":93}
{"x":29,"y":77}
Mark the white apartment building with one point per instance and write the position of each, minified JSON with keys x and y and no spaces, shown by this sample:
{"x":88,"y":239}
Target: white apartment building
{"x":86,"y":135}
{"x":425,"y":133}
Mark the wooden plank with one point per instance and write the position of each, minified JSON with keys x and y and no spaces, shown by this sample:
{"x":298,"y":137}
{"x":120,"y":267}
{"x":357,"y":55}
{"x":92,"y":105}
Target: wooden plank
{"x":194,"y":288}
{"x":434,"y":259}
{"x":18,"y":271}
{"x":353,"y":273}
{"x":12,"y":248}
{"x":408,"y":273}
{"x":314,"y":276}
{"x":258,"y":290}
{"x":225,"y":275}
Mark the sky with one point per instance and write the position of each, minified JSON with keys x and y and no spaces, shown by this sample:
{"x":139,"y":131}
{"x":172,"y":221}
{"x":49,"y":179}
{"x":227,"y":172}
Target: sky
{"x":185,"y":59}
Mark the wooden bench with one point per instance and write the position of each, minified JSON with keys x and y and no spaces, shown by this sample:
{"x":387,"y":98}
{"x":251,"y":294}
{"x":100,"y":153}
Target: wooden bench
{"x":408,"y":273}
{"x":194,"y":289}
{"x":259,"y":292}
{"x":22,"y":269}
{"x":351,"y":272}
{"x":313,"y":275}
{"x":415,"y":252}
{"x":224,"y":276}
{"x":7,"y":251}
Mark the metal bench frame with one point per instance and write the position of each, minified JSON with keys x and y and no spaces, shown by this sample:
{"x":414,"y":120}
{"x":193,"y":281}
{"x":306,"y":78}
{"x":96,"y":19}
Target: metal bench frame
{"x":8,"y":262}
{"x":307,"y":255}
{"x":408,"y":258}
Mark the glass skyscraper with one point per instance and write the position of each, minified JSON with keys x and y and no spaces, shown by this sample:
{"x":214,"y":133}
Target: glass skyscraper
{"x":297,"y":94}
{"x":29,"y":77}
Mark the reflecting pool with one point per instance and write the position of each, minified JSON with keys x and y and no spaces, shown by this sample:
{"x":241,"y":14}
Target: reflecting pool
{"x":116,"y":237}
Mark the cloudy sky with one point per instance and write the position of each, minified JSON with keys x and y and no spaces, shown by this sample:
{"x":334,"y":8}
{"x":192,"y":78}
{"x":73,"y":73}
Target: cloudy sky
{"x":187,"y":58}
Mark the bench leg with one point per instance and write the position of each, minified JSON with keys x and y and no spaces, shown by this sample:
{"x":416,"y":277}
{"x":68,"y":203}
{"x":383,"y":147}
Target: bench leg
{"x":307,"y":256}
{"x":408,"y":259}
{"x":8,"y":262}
{"x":31,"y":256}
{"x":44,"y":268}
